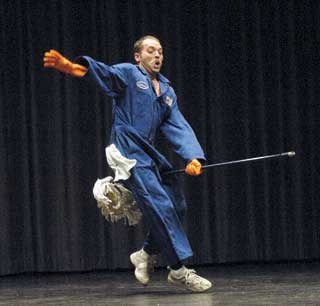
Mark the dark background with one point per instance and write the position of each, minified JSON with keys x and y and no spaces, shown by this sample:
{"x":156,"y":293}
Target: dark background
{"x":247,"y":77}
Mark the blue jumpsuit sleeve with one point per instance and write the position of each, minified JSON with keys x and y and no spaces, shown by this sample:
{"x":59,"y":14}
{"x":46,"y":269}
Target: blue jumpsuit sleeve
{"x":177,"y":131}
{"x":110,"y":79}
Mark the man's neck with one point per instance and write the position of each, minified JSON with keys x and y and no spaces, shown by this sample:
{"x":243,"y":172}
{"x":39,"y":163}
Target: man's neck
{"x":153,"y":76}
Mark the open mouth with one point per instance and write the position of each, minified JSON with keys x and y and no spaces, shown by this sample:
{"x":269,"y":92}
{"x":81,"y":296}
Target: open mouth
{"x":157,"y":64}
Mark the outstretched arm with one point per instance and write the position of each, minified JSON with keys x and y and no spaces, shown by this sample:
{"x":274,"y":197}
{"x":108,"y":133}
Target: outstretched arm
{"x":53,"y":59}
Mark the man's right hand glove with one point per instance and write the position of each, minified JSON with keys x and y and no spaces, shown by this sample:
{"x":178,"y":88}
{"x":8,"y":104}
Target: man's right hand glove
{"x":53,"y":59}
{"x":194,"y":168}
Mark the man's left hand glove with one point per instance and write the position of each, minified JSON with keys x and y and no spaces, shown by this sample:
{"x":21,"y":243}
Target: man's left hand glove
{"x":194,"y":168}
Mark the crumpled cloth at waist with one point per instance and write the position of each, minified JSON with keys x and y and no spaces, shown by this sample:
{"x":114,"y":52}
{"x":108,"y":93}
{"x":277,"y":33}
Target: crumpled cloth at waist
{"x":120,"y":165}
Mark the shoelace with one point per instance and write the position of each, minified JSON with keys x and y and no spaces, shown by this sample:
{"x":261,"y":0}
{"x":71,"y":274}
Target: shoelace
{"x":191,"y":276}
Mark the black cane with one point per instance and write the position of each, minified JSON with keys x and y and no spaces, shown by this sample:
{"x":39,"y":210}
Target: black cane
{"x":232,"y":162}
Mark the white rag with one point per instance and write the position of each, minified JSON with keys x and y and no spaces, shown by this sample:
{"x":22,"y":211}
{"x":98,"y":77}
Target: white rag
{"x":120,"y":165}
{"x":115,"y":201}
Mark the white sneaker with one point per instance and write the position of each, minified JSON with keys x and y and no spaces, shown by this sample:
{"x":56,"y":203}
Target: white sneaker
{"x":143,"y":263}
{"x":188,"y":279}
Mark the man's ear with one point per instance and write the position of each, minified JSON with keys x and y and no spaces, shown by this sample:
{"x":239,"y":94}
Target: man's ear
{"x":137,"y":57}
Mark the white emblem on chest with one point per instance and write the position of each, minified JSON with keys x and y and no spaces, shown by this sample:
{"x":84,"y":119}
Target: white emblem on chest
{"x":168,"y":101}
{"x":142,"y":85}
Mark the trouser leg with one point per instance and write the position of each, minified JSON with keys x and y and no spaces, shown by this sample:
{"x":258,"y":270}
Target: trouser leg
{"x":160,"y":214}
{"x":172,"y":187}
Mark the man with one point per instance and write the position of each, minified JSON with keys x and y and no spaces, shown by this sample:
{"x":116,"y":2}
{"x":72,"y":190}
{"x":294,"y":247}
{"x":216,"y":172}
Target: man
{"x":144,"y":104}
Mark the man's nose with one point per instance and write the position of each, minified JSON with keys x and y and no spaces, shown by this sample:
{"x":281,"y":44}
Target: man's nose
{"x":157,"y":54}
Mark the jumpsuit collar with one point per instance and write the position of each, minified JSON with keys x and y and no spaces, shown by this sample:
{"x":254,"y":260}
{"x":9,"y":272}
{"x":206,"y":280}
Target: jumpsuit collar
{"x":161,"y":78}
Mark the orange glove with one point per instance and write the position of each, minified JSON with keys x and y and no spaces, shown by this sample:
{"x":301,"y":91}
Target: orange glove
{"x":194,"y":168}
{"x":53,"y":59}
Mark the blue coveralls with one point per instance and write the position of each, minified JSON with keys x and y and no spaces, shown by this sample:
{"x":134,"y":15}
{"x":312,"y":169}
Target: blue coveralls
{"x":138,"y":116}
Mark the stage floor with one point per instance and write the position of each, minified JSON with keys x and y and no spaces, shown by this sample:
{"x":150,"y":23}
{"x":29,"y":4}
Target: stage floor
{"x":268,"y":284}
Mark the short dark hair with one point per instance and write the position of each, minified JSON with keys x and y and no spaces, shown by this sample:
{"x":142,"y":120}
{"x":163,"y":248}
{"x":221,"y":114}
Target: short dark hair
{"x":138,"y":44}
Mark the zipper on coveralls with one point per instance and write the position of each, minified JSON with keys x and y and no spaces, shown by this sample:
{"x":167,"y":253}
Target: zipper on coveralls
{"x":152,"y":129}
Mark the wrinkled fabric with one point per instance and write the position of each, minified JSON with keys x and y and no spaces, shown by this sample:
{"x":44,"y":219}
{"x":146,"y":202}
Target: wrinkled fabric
{"x":120,"y":165}
{"x":139,"y":117}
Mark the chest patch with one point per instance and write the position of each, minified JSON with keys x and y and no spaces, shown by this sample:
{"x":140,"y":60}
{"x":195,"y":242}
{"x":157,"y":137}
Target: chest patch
{"x":142,"y":85}
{"x":168,"y":101}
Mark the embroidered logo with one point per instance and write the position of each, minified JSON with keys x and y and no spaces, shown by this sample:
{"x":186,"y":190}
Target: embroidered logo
{"x":142,"y":85}
{"x":168,"y":101}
